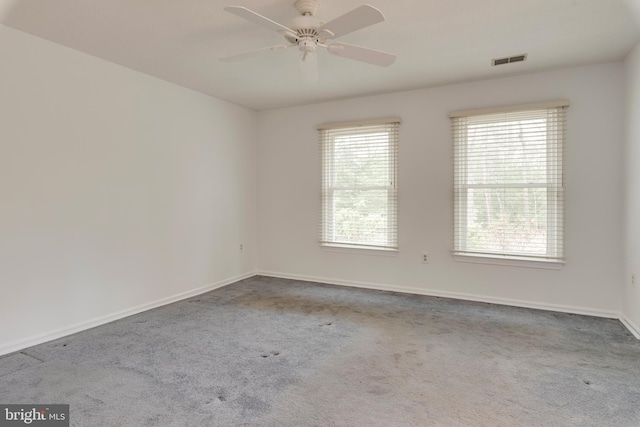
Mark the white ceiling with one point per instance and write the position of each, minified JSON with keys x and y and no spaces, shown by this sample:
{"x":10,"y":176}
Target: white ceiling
{"x":436,"y":41}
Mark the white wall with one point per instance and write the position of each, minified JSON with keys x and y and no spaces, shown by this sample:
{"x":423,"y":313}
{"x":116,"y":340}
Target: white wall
{"x":591,"y":281}
{"x":118,"y":191}
{"x":631,"y":295}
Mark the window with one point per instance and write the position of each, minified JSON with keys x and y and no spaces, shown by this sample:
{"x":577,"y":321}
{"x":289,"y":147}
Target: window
{"x":359,"y":184}
{"x":508,"y":182}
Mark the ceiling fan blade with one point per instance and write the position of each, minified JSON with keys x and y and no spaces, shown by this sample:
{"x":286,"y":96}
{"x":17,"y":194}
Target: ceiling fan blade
{"x":362,"y":54}
{"x":358,"y":18}
{"x":256,"y":18}
{"x":240,"y":56}
{"x":309,"y":67}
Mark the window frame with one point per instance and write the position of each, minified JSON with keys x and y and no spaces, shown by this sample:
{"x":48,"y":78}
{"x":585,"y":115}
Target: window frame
{"x":328,"y":239}
{"x":554,"y":185}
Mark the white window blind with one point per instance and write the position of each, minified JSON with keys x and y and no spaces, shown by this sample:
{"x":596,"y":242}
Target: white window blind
{"x":359,"y":184}
{"x":508,"y":182}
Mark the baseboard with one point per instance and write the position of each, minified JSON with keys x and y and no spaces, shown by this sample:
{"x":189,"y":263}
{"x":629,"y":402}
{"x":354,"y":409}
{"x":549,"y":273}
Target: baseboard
{"x":81,"y":326}
{"x":453,"y":295}
{"x":632,"y":327}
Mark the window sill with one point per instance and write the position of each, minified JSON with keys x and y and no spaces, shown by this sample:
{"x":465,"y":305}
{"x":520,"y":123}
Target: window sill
{"x":347,"y":249}
{"x":512,"y":261}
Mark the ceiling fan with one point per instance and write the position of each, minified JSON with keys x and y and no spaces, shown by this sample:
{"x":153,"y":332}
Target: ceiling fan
{"x":308,"y":33}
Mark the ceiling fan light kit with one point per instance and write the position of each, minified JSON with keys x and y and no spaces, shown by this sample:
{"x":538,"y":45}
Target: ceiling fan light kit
{"x":307,"y":33}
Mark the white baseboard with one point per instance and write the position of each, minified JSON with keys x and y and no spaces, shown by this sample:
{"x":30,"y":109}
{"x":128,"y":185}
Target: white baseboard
{"x":632,"y":327}
{"x":81,"y":326}
{"x":453,"y":295}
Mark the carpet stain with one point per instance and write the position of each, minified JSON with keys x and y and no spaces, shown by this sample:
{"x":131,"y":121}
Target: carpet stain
{"x":251,"y":406}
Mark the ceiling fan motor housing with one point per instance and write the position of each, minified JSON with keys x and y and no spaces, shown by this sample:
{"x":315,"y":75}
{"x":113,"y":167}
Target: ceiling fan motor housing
{"x":305,"y":27}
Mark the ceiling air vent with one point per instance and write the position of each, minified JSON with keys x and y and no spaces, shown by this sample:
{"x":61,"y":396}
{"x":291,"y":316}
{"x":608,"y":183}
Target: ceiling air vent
{"x":509,"y":60}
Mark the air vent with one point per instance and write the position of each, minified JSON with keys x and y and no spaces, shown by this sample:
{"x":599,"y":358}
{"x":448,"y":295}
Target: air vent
{"x":509,"y":60}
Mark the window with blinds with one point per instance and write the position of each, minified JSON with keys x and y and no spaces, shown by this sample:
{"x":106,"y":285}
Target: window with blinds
{"x":360,"y":184}
{"x":508,"y":182}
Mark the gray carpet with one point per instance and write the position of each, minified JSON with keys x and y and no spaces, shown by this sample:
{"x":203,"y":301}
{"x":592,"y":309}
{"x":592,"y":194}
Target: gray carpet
{"x":272,"y":352}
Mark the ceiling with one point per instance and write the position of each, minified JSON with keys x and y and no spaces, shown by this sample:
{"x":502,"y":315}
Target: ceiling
{"x":436,"y":41}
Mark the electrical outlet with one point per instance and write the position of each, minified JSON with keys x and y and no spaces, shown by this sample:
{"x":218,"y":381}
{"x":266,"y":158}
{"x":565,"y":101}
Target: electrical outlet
{"x":241,"y":247}
{"x":633,"y":278}
{"x":425,"y":258}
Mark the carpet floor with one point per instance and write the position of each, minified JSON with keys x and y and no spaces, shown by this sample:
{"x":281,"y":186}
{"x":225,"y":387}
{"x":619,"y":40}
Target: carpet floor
{"x":274,"y":352}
